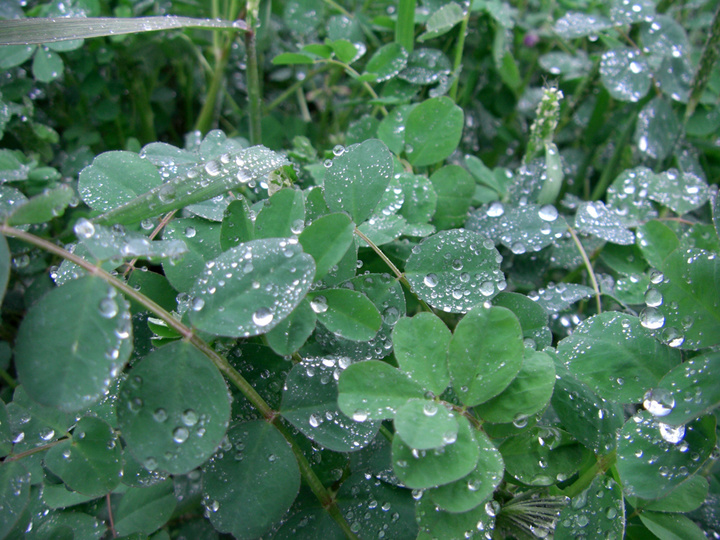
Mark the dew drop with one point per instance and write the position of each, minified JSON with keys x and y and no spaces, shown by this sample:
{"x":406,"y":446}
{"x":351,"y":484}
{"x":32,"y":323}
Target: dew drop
{"x":430,"y":280}
{"x":262,"y":317}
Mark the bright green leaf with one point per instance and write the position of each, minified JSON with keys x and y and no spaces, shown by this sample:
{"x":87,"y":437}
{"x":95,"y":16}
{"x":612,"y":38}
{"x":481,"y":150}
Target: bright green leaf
{"x":442,"y":21}
{"x":347,"y":313}
{"x":282,"y":215}
{"x":237,"y":225}
{"x":327,"y":239}
{"x":43,"y":207}
{"x":424,"y":424}
{"x":292,"y":332}
{"x":434,"y":116}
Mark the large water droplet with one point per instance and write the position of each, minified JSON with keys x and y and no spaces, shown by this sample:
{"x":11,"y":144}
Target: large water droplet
{"x":262,"y":317}
{"x":659,"y":401}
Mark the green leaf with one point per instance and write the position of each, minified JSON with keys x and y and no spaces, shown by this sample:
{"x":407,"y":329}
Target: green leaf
{"x":349,"y":314}
{"x":14,"y":55}
{"x":656,"y":241}
{"x":310,"y":403}
{"x":356,"y":179}
{"x":528,"y":393}
{"x":455,"y":270}
{"x":654,"y":458}
{"x":671,"y":526}
{"x":530,"y":227}
{"x":592,"y":420}
{"x":42,"y":30}
{"x":392,"y":128}
{"x":282,"y":215}
{"x":420,"y":198}
{"x":58,"y":496}
{"x":426,"y":66}
{"x":345,"y":51}
{"x":200,"y":183}
{"x":386,"y":293}
{"x":454,"y":188}
{"x":485,"y":354}
{"x":47,"y":65}
{"x":532,"y":316}
{"x":600,"y":508}
{"x":597,"y":219}
{"x":684,"y":311}
{"x":420,"y":345}
{"x":250,"y":288}
{"x":89,"y":463}
{"x":436,"y":523}
{"x":628,"y":195}
{"x":6,"y":435}
{"x":425,"y":122}
{"x":442,"y":21}
{"x":257,"y":455}
{"x":43,"y":207}
{"x":144,"y":510}
{"x":691,"y":389}
{"x":625,"y":74}
{"x":424,"y":424}
{"x":173,"y":409}
{"x":327,"y":239}
{"x":657,"y":129}
{"x":387,"y":62}
{"x":5,"y":260}
{"x":375,"y":390}
{"x":203,"y":241}
{"x":477,"y":487}
{"x":687,"y":497}
{"x":115,"y":178}
{"x":14,"y":494}
{"x":616,"y":357}
{"x":542,"y":456}
{"x":319,"y":49}
{"x":86,"y":340}
{"x":429,"y":468}
{"x":237,"y":225}
{"x":681,"y":192}
{"x":292,"y":332}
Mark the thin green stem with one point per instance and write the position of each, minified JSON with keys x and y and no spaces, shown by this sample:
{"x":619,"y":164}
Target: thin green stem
{"x":290,"y":91}
{"x":405,"y":25}
{"x":400,"y":276}
{"x":32,"y":451}
{"x":254,"y":92}
{"x":459,"y":54}
{"x":12,"y":383}
{"x":219,"y":361}
{"x":586,"y":478}
{"x":204,"y":121}
{"x":588,"y":267}
{"x":353,"y":73}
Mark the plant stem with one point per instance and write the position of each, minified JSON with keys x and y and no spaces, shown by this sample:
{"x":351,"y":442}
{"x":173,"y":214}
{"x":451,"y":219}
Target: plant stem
{"x":294,"y":86}
{"x":400,"y":276}
{"x":32,"y":451}
{"x":219,"y":361}
{"x":459,"y":54}
{"x":586,"y":478}
{"x":204,"y":121}
{"x":588,"y":266}
{"x":253,"y":77}
{"x":405,"y":25}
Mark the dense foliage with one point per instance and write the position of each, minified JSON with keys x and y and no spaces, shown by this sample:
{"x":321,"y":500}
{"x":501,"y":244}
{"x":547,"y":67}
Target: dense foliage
{"x":332,"y":269}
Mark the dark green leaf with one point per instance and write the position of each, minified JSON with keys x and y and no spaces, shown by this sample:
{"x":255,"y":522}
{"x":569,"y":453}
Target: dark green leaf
{"x":347,"y":313}
{"x":528,"y":393}
{"x":436,"y":523}
{"x":455,"y":270}
{"x":310,"y":403}
{"x":237,"y":225}
{"x":424,"y":424}
{"x":442,"y":21}
{"x":250,"y":288}
{"x":625,"y":74}
{"x":542,"y":456}
{"x":375,"y":390}
{"x":691,"y":390}
{"x":47,"y":65}
{"x":684,"y":309}
{"x":356,"y":180}
{"x":282,"y":215}
{"x":616,"y":357}
{"x":43,"y":207}
{"x":485,"y":354}
{"x":14,"y":494}
{"x":327,"y":239}
{"x":174,"y":409}
{"x":654,"y":458}
{"x":475,"y":488}
{"x":429,"y":468}
{"x":657,"y":129}
{"x":600,"y":508}
{"x":90,"y":462}
{"x":387,"y":61}
{"x":292,"y":332}
{"x":532,"y":316}
{"x":86,"y":340}
{"x":420,"y":345}
{"x":687,"y":497}
{"x":434,"y":116}
{"x":656,"y":241}
{"x":392,"y":128}
{"x":144,"y":510}
{"x":671,"y":526}
{"x":5,"y":260}
{"x":203,"y":241}
{"x":681,"y":192}
{"x":454,"y":188}
{"x":256,"y":456}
